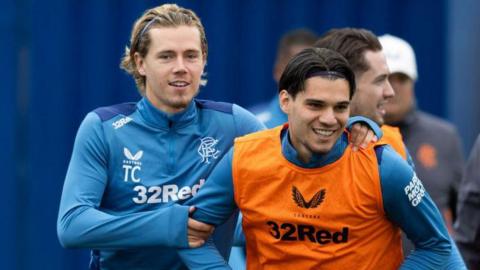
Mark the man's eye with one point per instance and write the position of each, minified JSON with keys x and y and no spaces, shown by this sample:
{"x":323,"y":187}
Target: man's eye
{"x":165,"y":56}
{"x":381,"y":81}
{"x":314,"y":105}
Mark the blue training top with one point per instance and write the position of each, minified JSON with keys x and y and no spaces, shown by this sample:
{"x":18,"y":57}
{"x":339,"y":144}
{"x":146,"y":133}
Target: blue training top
{"x":132,"y":169}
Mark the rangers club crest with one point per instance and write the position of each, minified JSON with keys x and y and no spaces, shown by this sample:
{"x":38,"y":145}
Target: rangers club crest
{"x":207,"y":149}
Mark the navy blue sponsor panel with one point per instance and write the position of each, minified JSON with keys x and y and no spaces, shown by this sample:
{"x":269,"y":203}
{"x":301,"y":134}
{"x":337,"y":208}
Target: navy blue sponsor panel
{"x":107,"y":113}
{"x":218,"y":106}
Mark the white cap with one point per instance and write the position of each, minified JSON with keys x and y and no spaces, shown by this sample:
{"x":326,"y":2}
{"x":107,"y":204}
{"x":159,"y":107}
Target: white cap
{"x":400,"y":56}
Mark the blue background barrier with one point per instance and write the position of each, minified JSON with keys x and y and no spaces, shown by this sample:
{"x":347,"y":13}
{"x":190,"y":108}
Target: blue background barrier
{"x":59,"y":60}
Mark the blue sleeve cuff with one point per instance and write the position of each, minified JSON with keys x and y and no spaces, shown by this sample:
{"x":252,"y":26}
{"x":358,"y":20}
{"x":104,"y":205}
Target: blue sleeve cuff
{"x":370,"y":123}
{"x":204,"y":257}
{"x":180,"y":240}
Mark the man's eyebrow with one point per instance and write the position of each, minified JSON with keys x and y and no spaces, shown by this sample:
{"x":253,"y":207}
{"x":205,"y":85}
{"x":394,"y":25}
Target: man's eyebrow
{"x":165,"y":52}
{"x":193,"y":51}
{"x":311,"y":100}
{"x":381,"y":77}
{"x":343,"y":102}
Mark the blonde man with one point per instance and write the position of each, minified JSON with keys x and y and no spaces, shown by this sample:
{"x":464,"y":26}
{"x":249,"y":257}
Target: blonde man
{"x":134,"y":165}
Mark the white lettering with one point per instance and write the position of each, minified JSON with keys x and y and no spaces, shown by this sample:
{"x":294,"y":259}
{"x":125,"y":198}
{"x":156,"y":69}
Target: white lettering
{"x":127,"y":169}
{"x":154,"y":193}
{"x":416,"y":201}
{"x":121,"y":122}
{"x":170,"y":191}
{"x":154,"y":198}
{"x":141,"y":195}
{"x":130,"y":173}
{"x":415,"y":191}
{"x":132,"y":162}
{"x":184,"y":193}
{"x":135,"y":179}
{"x":196,"y":187}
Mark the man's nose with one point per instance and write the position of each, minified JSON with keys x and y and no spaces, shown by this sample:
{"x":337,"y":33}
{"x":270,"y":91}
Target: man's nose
{"x":388,"y":91}
{"x":180,"y":65}
{"x":328,"y":117}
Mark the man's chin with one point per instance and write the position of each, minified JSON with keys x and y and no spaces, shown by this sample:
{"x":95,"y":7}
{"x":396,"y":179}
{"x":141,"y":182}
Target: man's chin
{"x":324,"y":148}
{"x":182,"y":103}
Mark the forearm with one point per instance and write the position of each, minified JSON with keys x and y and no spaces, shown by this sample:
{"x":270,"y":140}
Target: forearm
{"x":407,"y":204}
{"x":86,"y":227}
{"x":214,"y":202}
{"x":433,"y":247}
{"x":204,"y":257}
{"x":423,"y":259}
{"x":83,"y":223}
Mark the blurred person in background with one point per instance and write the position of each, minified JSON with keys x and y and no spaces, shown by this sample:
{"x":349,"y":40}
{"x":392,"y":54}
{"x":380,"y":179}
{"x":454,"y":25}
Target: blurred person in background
{"x":467,"y":224}
{"x":434,"y":143}
{"x":289,"y":45}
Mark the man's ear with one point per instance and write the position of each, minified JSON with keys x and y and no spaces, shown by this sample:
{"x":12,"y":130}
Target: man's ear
{"x":285,"y":101}
{"x":139,"y":63}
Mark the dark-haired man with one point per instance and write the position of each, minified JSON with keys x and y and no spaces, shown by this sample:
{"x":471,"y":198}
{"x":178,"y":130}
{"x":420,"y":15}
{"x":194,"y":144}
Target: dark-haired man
{"x":363,"y":51}
{"x":308,"y":200}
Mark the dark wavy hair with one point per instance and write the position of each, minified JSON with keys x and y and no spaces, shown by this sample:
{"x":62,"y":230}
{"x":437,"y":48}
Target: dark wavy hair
{"x":315,"y":62}
{"x":352,"y":43}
